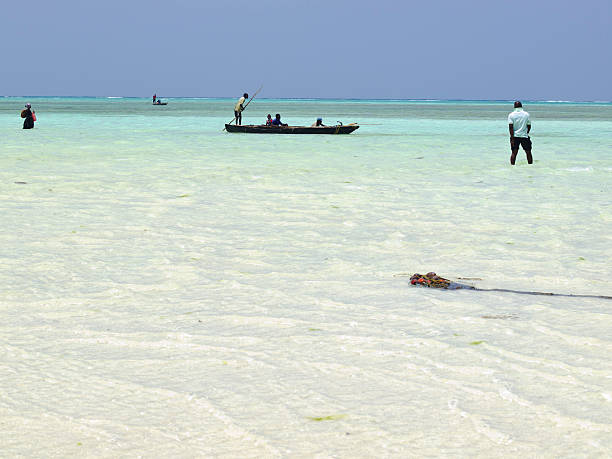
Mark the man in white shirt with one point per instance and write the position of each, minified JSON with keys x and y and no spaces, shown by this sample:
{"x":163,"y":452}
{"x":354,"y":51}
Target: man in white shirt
{"x":519,"y":125}
{"x":239,"y":107}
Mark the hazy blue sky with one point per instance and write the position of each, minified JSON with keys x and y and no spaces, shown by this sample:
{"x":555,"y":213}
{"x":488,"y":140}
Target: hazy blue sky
{"x":480,"y":49}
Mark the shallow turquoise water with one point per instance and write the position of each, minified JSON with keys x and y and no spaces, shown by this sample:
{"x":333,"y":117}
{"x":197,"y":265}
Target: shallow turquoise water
{"x":176,"y":289}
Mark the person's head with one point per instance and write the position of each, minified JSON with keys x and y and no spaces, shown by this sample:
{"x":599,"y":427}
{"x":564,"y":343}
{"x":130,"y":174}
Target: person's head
{"x":278,"y":116}
{"x":269,"y":116}
{"x":518,"y":104}
{"x":28,"y":105}
{"x":319,"y":121}
{"x":245,"y":95}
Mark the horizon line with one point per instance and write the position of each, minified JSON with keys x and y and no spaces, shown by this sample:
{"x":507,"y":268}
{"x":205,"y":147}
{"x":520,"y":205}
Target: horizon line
{"x":311,"y":98}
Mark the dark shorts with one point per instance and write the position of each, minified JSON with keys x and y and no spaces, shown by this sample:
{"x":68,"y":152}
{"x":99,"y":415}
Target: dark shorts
{"x":237,"y":114}
{"x":524,"y":142}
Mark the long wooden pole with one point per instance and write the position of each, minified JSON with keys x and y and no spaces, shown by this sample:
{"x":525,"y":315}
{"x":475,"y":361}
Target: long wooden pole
{"x":247,"y":104}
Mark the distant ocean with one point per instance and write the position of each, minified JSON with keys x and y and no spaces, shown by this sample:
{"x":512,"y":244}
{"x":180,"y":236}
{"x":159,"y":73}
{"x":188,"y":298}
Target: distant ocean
{"x":172,"y":290}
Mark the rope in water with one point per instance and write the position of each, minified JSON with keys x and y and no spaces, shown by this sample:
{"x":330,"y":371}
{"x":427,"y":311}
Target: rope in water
{"x":524,"y":292}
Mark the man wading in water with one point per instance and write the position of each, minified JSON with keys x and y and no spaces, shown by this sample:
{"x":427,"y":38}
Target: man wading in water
{"x":28,"y":114}
{"x":519,"y":125}
{"x":238,"y":109}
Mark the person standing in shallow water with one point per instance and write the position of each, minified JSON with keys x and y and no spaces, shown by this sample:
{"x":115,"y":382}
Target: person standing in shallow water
{"x":238,"y":109}
{"x":519,"y":126}
{"x":28,"y":114}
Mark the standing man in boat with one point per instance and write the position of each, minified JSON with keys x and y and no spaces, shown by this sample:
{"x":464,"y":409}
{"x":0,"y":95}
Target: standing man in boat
{"x":239,"y":108}
{"x":154,"y":97}
{"x":519,"y":126}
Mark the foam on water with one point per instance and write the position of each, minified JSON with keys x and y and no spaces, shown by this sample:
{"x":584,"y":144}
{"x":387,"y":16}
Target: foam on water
{"x":173,"y":290}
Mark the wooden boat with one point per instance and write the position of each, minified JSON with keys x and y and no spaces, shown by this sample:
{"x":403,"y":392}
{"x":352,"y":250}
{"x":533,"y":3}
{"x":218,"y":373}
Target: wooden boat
{"x":263,"y":129}
{"x":161,"y":103}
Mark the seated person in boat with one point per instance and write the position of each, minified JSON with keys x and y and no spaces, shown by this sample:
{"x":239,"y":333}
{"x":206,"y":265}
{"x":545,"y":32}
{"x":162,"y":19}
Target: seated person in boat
{"x":277,"y":121}
{"x":269,"y":120}
{"x":318,"y":123}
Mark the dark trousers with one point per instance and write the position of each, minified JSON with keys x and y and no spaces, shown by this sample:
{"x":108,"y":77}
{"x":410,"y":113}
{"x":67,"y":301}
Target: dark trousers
{"x":516,"y":143}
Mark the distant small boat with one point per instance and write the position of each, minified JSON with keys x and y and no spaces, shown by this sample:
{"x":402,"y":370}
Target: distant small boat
{"x":262,"y":129}
{"x":160,"y":103}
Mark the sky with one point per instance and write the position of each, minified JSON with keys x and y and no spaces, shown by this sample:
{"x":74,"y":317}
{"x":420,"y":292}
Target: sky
{"x":434,"y":49}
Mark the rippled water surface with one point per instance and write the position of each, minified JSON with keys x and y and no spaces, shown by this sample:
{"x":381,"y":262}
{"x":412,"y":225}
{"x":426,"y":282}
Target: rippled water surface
{"x":172,"y":290}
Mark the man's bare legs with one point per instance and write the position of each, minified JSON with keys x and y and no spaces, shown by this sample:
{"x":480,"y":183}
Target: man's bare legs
{"x":515,"y":149}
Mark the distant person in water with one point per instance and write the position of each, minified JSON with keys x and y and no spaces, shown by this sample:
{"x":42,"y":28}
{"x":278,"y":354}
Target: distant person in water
{"x":277,"y":121}
{"x":28,"y":114}
{"x":519,"y":125}
{"x":239,"y":108}
{"x":269,"y":120}
{"x":154,"y":97}
{"x":318,"y":122}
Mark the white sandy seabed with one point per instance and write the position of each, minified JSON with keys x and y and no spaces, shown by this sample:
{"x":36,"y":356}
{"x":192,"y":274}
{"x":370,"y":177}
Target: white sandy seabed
{"x":250,"y":298}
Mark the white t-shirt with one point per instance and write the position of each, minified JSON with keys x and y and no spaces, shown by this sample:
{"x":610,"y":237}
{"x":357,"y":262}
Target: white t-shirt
{"x":519,"y":118}
{"x":238,"y":107}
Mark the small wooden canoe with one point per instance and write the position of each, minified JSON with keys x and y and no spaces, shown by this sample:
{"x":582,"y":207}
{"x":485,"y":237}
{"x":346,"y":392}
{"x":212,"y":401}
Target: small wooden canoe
{"x":163,"y":103}
{"x":262,"y":129}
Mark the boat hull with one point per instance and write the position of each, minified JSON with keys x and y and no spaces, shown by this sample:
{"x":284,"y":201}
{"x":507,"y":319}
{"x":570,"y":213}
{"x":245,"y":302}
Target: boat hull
{"x":254,"y":129}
